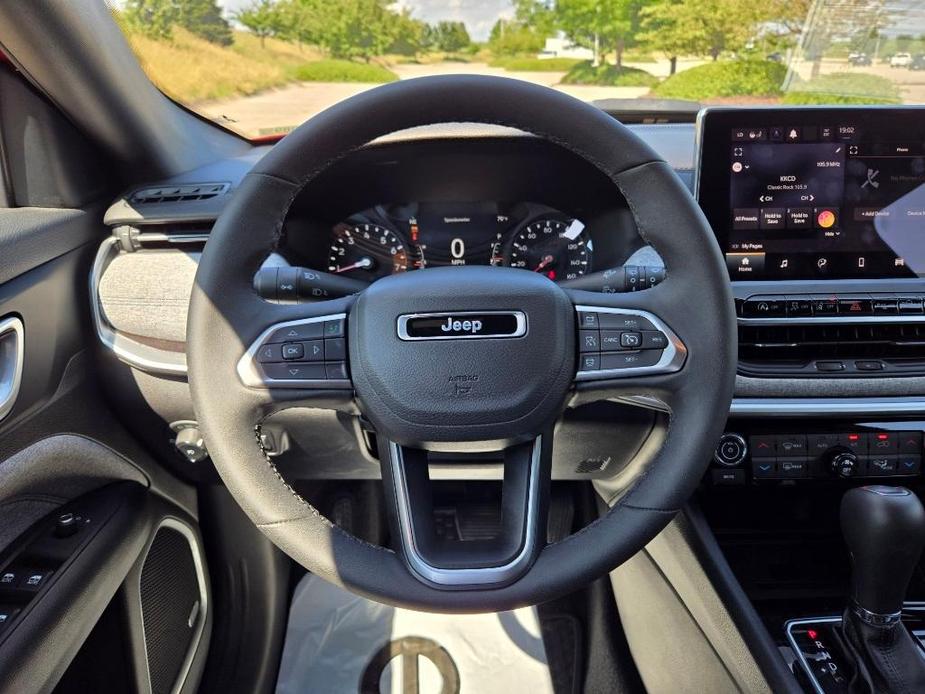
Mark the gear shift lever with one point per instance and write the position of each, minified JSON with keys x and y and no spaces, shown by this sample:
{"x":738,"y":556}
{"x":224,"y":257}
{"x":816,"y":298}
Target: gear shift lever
{"x":884,"y":528}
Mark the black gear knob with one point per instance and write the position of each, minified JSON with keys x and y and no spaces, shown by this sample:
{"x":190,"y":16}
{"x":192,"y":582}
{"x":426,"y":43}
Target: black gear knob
{"x":884,"y":528}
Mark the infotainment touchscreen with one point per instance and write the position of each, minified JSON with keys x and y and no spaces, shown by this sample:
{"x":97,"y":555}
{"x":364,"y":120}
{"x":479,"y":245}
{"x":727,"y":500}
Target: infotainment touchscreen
{"x":815,"y":193}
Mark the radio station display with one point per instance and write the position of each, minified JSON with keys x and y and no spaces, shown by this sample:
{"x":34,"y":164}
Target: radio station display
{"x":815,"y":193}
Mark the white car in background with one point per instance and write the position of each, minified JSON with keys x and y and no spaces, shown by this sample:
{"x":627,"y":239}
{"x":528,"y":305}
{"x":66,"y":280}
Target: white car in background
{"x":901,"y":60}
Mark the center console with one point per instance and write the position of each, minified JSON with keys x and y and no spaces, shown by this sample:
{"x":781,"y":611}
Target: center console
{"x":820,"y":214}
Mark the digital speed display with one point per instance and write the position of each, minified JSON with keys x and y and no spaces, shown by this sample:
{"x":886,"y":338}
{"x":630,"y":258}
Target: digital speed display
{"x":816,"y":193}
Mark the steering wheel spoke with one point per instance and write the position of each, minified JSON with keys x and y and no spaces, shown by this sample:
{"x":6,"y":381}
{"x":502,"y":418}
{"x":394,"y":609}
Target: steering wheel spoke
{"x":628,"y":349}
{"x":466,"y":563}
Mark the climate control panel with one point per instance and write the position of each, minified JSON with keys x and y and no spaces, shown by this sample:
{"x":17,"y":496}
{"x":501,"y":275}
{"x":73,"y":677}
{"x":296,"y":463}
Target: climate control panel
{"x":861,"y":452}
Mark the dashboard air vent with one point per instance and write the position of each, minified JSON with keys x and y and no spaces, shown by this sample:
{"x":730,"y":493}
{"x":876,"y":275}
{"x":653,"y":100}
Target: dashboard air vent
{"x":867,"y":349}
{"x":183,"y":193}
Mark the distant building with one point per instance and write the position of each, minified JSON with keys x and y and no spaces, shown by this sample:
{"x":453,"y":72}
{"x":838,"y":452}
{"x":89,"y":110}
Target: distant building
{"x":561,"y":47}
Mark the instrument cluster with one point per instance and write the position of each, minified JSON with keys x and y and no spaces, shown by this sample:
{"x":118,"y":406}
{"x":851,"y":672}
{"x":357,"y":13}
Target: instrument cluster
{"x":388,"y":239}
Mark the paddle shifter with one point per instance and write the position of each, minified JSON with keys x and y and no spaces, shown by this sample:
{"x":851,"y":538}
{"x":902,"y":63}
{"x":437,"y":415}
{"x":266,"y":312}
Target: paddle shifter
{"x":884,"y":528}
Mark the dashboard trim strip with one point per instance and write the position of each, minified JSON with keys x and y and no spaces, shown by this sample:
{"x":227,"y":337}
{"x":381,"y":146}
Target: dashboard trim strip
{"x":830,"y":320}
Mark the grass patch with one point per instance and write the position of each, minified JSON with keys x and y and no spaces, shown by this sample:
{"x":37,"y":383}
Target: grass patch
{"x":609,"y":76}
{"x":343,"y":71}
{"x":190,"y":69}
{"x":721,"y":79}
{"x":844,"y":88}
{"x":532,"y":64}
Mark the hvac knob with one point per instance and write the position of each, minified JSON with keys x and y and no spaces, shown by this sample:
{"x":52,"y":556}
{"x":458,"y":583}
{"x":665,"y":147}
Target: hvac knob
{"x":844,"y":464}
{"x":731,"y":450}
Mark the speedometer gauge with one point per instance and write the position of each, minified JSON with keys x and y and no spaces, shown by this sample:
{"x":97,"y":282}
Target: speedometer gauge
{"x":553,"y":247}
{"x":367,"y":251}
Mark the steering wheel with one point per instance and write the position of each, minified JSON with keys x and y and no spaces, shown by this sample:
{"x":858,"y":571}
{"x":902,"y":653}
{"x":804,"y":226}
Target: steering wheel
{"x":463,"y":359}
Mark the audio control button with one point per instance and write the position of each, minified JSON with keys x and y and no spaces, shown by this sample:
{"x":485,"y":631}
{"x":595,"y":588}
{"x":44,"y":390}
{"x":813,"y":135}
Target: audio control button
{"x":731,"y":450}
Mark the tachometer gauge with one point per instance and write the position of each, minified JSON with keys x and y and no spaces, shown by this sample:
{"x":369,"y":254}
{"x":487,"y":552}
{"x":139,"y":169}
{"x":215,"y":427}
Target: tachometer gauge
{"x":555,"y":248}
{"x":367,"y":251}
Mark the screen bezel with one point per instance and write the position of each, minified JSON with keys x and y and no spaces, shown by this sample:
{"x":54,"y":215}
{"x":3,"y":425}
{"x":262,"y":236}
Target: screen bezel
{"x":714,"y":125}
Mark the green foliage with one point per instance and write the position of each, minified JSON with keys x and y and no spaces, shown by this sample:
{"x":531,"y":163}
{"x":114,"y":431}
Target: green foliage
{"x":531,"y":64}
{"x":343,"y":71}
{"x":451,"y":36}
{"x":725,"y":78}
{"x":601,"y":25}
{"x":510,"y":38}
{"x":156,"y":18}
{"x":261,"y":18}
{"x":608,"y":76}
{"x":844,"y":88}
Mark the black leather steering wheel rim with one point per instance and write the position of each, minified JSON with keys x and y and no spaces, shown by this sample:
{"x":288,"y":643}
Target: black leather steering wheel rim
{"x":226,"y":315}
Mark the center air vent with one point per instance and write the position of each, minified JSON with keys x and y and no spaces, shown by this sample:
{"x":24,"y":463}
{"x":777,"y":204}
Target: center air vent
{"x":183,"y":193}
{"x":832,"y":349}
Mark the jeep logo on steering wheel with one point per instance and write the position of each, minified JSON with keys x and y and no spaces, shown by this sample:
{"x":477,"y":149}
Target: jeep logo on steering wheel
{"x":462,"y":325}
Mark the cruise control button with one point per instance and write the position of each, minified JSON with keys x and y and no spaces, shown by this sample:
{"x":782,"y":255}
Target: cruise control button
{"x":629,"y":360}
{"x":589,"y":341}
{"x":293,"y":351}
{"x":653,"y":339}
{"x":337,"y":370}
{"x":588,"y":320}
{"x":615,"y":321}
{"x":269,"y":353}
{"x":590,"y":362}
{"x":305,"y":331}
{"x":631,"y":340}
{"x":294,"y":371}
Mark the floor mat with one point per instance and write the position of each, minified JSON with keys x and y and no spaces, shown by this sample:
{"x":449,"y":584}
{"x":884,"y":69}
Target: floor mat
{"x":339,"y":643}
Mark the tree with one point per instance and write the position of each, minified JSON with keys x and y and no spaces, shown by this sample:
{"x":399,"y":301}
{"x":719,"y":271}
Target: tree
{"x":408,"y":34}
{"x":510,"y":37}
{"x":452,"y":36}
{"x":204,"y":18}
{"x":156,"y":18}
{"x":839,"y":18}
{"x":601,"y":25}
{"x":261,"y":18}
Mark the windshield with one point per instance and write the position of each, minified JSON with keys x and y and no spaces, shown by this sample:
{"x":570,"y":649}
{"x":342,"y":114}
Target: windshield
{"x":262,"y":67}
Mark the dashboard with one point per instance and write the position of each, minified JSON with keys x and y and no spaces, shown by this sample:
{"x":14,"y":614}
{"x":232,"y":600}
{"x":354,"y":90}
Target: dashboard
{"x":823,"y":193}
{"x":393,"y":238}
